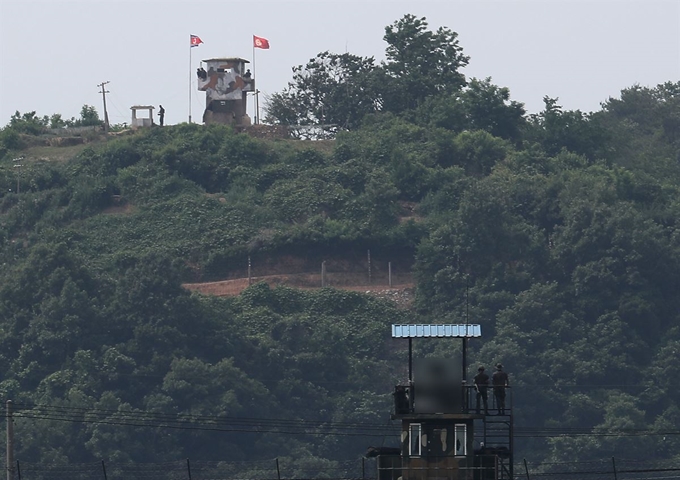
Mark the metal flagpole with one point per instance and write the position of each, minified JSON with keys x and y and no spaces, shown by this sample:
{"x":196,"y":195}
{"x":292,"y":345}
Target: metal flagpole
{"x":256,"y":107}
{"x":190,"y":47}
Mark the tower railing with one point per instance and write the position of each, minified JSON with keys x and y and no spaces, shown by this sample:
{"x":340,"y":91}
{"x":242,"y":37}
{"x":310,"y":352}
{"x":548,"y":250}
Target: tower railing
{"x":405,"y":398}
{"x":481,"y":467}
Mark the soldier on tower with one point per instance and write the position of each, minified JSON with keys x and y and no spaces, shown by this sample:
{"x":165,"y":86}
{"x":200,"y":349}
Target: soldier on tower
{"x":500,"y":381}
{"x":481,"y":386}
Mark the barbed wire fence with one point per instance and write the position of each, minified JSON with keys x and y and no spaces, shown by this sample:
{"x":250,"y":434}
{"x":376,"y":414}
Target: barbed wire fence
{"x":275,"y":469}
{"x":271,"y":469}
{"x":613,"y":468}
{"x":350,"y":274}
{"x":334,"y":273}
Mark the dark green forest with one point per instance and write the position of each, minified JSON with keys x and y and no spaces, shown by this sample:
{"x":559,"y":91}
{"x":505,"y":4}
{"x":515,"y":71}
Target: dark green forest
{"x":558,"y":231}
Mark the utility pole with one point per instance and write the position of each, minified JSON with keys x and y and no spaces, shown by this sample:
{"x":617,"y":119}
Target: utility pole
{"x":18,"y":167}
{"x":10,"y":441}
{"x":106,"y":113}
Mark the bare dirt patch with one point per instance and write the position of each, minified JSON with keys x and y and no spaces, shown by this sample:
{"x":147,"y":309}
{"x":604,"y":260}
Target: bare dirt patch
{"x":402,"y":294}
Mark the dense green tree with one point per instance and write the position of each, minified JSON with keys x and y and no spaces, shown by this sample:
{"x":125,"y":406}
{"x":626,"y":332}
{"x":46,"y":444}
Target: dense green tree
{"x":480,"y":105}
{"x":56,"y":121}
{"x":89,"y":116}
{"x":573,"y":130}
{"x":29,"y":123}
{"x":337,"y":90}
{"x":419,"y":63}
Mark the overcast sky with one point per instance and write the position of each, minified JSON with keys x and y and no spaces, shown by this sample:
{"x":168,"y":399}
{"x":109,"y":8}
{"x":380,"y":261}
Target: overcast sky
{"x":54,"y":53}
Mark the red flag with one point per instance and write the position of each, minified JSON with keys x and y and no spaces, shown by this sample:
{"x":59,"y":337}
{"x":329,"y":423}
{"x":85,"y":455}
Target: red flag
{"x":259,"y":42}
{"x":195,"y":41}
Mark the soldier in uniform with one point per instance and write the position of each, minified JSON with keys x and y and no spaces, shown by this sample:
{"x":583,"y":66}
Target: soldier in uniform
{"x":500,"y":382}
{"x":481,"y":385}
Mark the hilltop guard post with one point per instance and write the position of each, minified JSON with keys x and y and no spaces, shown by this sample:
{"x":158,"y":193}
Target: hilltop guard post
{"x":226,"y":83}
{"x":137,"y":122}
{"x":442,"y":437}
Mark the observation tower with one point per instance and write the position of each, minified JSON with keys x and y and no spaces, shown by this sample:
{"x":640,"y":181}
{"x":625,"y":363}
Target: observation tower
{"x":226,"y":83}
{"x":442,"y":435}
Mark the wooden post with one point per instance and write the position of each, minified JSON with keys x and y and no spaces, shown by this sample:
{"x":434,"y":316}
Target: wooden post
{"x":323,"y":274}
{"x":189,"y":468}
{"x":104,"y":469}
{"x":389,"y":273}
{"x":614,"y":465}
{"x":363,"y":467}
{"x":10,"y":441}
{"x":278,"y":469}
{"x":250,"y":276}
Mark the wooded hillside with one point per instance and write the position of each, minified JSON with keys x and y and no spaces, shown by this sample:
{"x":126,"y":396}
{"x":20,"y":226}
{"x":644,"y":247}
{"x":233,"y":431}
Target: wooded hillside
{"x":562,"y":227}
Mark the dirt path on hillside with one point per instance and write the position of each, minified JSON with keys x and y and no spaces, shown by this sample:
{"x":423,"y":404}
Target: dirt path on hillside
{"x":402,"y":294}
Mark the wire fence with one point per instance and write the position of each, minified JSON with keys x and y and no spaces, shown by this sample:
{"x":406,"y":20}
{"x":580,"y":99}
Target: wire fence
{"x":279,"y":469}
{"x":613,"y":468}
{"x":271,"y":469}
{"x":351,"y":273}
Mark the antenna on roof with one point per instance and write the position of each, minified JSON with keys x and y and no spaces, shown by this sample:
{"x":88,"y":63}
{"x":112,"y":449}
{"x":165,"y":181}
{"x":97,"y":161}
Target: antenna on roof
{"x":467,"y":322}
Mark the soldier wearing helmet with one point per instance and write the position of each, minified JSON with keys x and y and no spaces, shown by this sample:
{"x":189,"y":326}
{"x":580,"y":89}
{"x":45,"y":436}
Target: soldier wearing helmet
{"x":481,"y":386}
{"x":500,"y":382}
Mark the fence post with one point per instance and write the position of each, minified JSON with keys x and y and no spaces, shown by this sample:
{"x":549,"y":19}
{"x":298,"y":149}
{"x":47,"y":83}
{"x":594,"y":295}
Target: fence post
{"x":323,"y":274}
{"x":363,"y":467}
{"x":104,"y":469}
{"x":389,"y":273}
{"x":278,"y":470}
{"x":250,"y":273}
{"x":614,"y":465}
{"x":189,"y":468}
{"x":526,"y":468}
{"x":369,"y":267}
{"x":18,"y":470}
{"x":10,"y":441}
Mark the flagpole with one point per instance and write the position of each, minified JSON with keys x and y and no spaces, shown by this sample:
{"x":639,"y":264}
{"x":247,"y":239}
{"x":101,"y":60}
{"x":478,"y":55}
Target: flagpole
{"x":190,"y":47}
{"x":256,"y":107}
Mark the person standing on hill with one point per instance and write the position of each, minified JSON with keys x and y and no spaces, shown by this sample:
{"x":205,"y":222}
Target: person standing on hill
{"x":481,"y":387}
{"x":500,"y":382}
{"x":161,"y":115}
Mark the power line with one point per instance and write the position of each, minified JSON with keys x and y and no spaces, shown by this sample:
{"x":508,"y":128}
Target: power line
{"x":73,"y":411}
{"x":57,"y":412}
{"x":206,"y":428}
{"x":282,"y":426}
{"x":207,"y":423}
